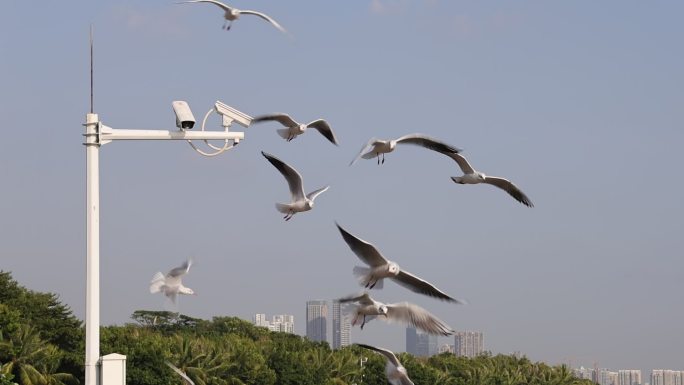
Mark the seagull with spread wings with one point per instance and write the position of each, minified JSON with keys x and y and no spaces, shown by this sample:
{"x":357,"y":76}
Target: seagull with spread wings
{"x":381,"y":268}
{"x":300,"y":201}
{"x":376,"y":148}
{"x":293,"y":129}
{"x":367,"y":309}
{"x":394,"y":370}
{"x":471,"y":176}
{"x":171,"y":284}
{"x":232,"y":14}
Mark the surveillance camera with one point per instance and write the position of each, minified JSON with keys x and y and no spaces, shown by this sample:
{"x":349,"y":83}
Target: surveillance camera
{"x":230,"y":114}
{"x":184,"y":118}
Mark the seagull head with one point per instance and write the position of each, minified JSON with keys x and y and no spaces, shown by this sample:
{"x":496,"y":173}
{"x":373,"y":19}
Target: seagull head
{"x":393,"y":268}
{"x":481,"y":176}
{"x":186,"y":290}
{"x":383,"y":310}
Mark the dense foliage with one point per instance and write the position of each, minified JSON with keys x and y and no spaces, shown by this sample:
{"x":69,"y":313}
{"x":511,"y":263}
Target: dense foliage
{"x":41,"y":344}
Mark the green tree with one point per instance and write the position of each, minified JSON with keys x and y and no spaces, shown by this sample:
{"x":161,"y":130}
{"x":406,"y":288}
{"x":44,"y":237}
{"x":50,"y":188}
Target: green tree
{"x":31,"y":360}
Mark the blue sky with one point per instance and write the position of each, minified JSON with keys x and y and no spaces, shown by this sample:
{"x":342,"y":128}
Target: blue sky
{"x":579,"y":103}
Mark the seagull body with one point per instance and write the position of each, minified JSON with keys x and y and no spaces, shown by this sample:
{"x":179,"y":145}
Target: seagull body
{"x":381,"y":268}
{"x":300,"y":201}
{"x":376,"y":147}
{"x":171,"y":284}
{"x":231,"y":14}
{"x":367,"y":309}
{"x":471,"y":176}
{"x":394,"y":370}
{"x":294,"y":129}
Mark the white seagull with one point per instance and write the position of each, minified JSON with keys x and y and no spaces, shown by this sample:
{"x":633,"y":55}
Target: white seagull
{"x":474,"y":177}
{"x":367,"y":309}
{"x":300,"y":202}
{"x":232,"y":14}
{"x":171,"y":284}
{"x":180,"y":373}
{"x":381,"y":268}
{"x":396,"y":373}
{"x":295,"y":129}
{"x":377,"y":147}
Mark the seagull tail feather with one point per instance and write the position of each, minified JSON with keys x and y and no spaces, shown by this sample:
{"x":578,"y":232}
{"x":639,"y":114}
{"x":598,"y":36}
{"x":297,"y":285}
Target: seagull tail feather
{"x":157,"y":282}
{"x":363,"y":275}
{"x":283,"y":132}
{"x":283,"y":208}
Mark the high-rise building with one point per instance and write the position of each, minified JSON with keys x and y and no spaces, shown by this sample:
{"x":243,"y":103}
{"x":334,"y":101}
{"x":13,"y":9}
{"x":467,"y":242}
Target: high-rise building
{"x":317,"y":320}
{"x":279,"y":323}
{"x":606,"y":377}
{"x":584,"y":373}
{"x":666,"y":377}
{"x":420,"y":344}
{"x":446,"y":348}
{"x":341,"y":320}
{"x":468,"y":343}
{"x":629,"y":377}
{"x":260,"y":320}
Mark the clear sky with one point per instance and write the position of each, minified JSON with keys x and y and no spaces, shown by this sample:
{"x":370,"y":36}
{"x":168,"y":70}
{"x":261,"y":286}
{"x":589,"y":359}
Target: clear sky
{"x":578,"y":102}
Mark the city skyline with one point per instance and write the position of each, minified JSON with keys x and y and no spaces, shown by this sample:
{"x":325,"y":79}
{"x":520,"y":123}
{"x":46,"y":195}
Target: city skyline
{"x":278,"y":323}
{"x":578,"y":103}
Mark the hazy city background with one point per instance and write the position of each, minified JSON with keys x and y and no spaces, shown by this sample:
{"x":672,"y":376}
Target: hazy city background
{"x":579,"y":103}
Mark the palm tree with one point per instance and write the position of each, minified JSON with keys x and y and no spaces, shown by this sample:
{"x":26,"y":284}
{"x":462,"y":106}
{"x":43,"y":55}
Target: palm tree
{"x":31,"y":360}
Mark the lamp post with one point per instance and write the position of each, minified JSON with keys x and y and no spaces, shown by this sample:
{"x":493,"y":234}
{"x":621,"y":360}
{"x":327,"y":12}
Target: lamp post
{"x":97,"y":135}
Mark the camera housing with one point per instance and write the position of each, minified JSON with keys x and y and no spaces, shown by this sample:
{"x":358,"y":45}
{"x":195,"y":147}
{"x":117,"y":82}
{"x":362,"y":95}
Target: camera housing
{"x":230,"y":114}
{"x":184,"y":117}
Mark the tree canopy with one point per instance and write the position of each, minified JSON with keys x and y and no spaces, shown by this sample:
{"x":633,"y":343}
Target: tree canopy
{"x":41,"y":343}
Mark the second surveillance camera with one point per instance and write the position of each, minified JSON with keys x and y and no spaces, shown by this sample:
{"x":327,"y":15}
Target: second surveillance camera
{"x":184,"y":117}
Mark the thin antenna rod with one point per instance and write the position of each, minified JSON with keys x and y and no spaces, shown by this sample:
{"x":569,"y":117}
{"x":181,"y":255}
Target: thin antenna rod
{"x":91,"y":68}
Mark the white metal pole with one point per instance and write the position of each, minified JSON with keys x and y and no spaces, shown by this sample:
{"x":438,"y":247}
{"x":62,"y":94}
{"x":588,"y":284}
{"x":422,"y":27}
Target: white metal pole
{"x":92,"y":319}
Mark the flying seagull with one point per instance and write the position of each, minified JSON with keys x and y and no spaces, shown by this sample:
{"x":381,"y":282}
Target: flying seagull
{"x":180,"y":373}
{"x":294,"y":129}
{"x":232,"y":14}
{"x":380,"y":268}
{"x":376,"y":147}
{"x":300,"y":202}
{"x":474,"y":177}
{"x":171,"y":284}
{"x":367,"y":309}
{"x":395,"y":372}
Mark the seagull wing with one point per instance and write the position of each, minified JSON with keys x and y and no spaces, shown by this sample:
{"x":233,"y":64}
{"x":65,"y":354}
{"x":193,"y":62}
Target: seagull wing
{"x":421,"y":286}
{"x":312,"y":195}
{"x":294,"y":180}
{"x":363,"y":149}
{"x":387,"y":353}
{"x":180,"y":270}
{"x":362,"y":298}
{"x":364,"y":250}
{"x":418,"y":317}
{"x":223,"y":6}
{"x":281,"y":118}
{"x":265,"y":17}
{"x":428,"y":142}
{"x":180,"y":373}
{"x":510,"y":188}
{"x":324,"y":128}
{"x":174,"y":277}
{"x":462,"y":162}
